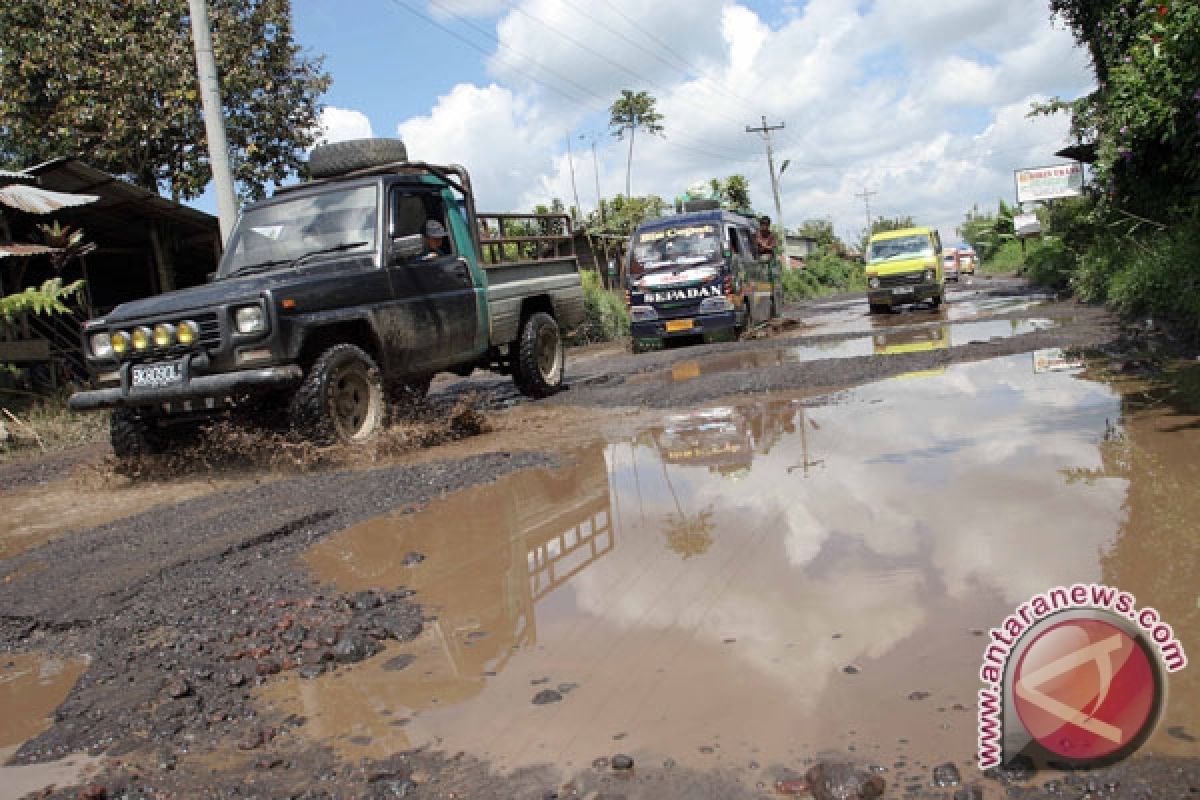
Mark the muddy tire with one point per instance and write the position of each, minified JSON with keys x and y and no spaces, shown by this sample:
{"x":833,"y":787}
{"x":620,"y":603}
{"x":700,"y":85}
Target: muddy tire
{"x":538,"y":366}
{"x":338,"y":158}
{"x":133,"y":434}
{"x":341,"y":398}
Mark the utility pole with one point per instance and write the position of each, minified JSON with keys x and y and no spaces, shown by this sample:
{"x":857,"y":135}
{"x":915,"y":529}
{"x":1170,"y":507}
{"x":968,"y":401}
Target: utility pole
{"x":866,"y":196}
{"x":214,"y":118}
{"x":765,"y":131}
{"x":574,"y":191}
{"x":596,"y":172}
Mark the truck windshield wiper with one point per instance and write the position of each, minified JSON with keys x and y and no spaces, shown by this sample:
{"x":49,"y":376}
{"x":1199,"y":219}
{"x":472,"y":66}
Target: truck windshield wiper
{"x":266,"y":265}
{"x":334,"y":249}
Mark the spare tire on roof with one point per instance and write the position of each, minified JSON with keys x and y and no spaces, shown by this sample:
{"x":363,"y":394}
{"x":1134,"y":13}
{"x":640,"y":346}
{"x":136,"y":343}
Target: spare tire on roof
{"x":337,"y":158}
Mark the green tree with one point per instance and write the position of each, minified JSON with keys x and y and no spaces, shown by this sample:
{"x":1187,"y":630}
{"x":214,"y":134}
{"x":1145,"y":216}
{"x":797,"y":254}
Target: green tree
{"x":629,"y":113}
{"x":976,"y":230}
{"x":1144,"y":116}
{"x":822,"y":231}
{"x":114,"y":82}
{"x":735,"y":192}
{"x":882,"y":225}
{"x":623,"y":214}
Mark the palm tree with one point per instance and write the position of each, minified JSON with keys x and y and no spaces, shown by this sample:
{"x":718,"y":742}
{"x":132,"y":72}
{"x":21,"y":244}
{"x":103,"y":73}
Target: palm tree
{"x":630,"y":112}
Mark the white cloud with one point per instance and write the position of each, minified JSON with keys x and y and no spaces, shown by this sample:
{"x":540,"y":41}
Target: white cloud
{"x":923,"y":103}
{"x":340,"y":124}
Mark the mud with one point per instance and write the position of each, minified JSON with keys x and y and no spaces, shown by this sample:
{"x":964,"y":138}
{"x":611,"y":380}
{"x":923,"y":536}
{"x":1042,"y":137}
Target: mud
{"x":738,"y":579}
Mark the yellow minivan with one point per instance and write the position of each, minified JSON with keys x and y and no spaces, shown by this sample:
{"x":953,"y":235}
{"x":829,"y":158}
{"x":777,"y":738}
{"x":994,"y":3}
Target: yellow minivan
{"x":903,"y":267}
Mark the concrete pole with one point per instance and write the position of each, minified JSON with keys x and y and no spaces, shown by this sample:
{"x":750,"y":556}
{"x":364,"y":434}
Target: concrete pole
{"x":574,"y":191}
{"x":214,"y":118}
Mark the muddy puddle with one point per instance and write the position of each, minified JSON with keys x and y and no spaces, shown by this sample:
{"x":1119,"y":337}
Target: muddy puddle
{"x":770,"y":582}
{"x":31,"y":688}
{"x":909,"y":339}
{"x":966,"y":302}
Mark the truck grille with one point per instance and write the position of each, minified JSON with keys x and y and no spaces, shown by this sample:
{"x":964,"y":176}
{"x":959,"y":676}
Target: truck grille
{"x":904,"y":279}
{"x":210,"y":329}
{"x":677,"y":308}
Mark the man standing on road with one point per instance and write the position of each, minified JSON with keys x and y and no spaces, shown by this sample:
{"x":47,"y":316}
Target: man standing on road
{"x":765,"y":238}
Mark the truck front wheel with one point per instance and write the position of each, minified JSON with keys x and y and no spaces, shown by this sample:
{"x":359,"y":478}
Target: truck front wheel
{"x":133,"y":434}
{"x":341,"y":398}
{"x":538,"y":367}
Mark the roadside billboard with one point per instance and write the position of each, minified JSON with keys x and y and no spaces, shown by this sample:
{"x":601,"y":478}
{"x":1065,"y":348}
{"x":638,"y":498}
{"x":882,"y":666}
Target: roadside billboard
{"x":1048,"y":183}
{"x":1026,"y":225}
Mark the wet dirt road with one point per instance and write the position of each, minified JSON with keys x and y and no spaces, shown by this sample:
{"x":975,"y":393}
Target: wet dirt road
{"x":728,"y":563}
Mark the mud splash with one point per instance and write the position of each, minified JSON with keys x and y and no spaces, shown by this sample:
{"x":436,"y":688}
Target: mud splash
{"x":228,"y":447}
{"x":763,"y":582}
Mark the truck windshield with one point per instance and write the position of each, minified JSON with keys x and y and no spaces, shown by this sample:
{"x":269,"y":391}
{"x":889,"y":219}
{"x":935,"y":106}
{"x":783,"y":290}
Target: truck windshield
{"x":900,"y":247}
{"x":667,"y":247}
{"x":282,"y":233}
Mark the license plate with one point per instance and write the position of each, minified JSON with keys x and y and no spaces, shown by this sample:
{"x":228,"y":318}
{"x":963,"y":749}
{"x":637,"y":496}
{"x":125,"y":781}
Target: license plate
{"x":902,"y":290}
{"x":679,"y":325}
{"x":685,"y":371}
{"x":156,"y":376}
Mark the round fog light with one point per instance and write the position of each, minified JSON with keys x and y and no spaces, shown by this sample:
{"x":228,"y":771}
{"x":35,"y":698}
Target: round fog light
{"x":188,"y":332}
{"x":141,"y":338}
{"x":120,"y":343}
{"x":164,"y":335}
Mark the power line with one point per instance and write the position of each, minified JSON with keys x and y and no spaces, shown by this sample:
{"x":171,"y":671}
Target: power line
{"x":512,"y":4}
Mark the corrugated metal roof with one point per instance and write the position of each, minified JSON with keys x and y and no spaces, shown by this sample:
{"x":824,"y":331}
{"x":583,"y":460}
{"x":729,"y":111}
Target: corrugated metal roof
{"x":12,"y":249}
{"x":73,"y":175}
{"x":33,"y":200}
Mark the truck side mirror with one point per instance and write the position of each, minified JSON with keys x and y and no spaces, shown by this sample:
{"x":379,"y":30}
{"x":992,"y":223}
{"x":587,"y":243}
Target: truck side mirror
{"x":406,"y":248}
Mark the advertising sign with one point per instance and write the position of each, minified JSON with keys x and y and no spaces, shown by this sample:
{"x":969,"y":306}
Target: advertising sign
{"x":1026,"y":225}
{"x":1047,"y":183}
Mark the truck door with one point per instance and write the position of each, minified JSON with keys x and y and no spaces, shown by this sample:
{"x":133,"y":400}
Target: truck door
{"x":436,"y":310}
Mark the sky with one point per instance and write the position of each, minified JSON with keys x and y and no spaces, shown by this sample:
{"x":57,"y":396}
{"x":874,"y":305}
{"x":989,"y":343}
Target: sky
{"x":922,"y":104}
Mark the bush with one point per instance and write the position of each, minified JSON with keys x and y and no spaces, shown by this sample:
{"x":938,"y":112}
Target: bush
{"x":607,"y":317}
{"x":1151,"y":274}
{"x":825,"y":274}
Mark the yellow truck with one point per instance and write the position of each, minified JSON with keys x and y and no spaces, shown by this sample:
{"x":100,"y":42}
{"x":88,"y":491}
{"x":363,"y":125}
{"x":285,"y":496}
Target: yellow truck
{"x":904,"y":267}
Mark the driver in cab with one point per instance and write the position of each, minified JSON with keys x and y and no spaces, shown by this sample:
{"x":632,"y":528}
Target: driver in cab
{"x":434,"y":236}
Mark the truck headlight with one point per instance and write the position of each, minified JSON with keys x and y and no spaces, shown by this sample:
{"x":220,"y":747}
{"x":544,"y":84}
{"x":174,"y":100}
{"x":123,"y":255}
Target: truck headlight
{"x":643,"y":314}
{"x":873,"y":283}
{"x":102,"y":345}
{"x":712,"y":305}
{"x":164,"y":334}
{"x":141,"y":336}
{"x":250,"y":319}
{"x":928,"y":274}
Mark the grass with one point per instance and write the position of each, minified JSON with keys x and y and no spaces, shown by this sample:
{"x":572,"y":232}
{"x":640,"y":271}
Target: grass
{"x":607,"y":317}
{"x":1008,"y":258}
{"x":45,"y":423}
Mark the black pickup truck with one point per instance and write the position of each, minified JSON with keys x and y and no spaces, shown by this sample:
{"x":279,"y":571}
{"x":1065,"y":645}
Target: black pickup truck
{"x":332,"y":299}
